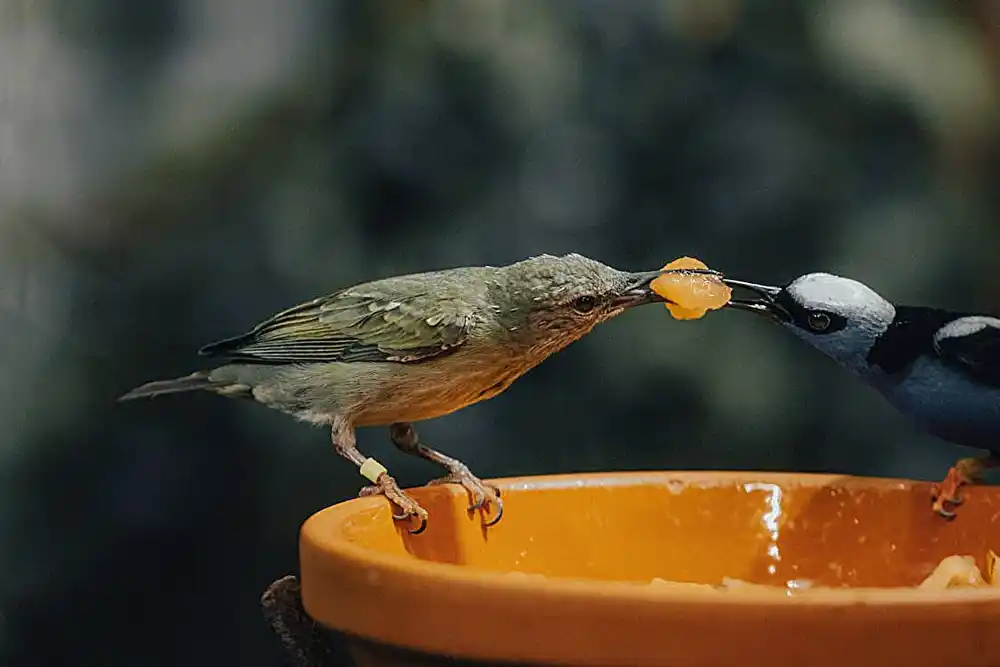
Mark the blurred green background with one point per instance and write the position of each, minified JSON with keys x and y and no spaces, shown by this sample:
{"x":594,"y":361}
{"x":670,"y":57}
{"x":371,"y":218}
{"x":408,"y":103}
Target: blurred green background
{"x":173,"y":171}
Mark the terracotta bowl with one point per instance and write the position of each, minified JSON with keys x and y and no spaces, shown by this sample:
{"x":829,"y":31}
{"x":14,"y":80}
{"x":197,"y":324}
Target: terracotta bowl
{"x":598,"y":541}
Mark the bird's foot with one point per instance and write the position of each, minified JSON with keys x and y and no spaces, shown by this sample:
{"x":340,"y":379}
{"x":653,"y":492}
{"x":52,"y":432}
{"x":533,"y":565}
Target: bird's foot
{"x":409,"y":508}
{"x":481,"y":494}
{"x":946,"y":495}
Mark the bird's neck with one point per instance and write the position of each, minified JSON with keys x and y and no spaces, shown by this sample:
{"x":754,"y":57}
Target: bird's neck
{"x":908,"y":336}
{"x":537,"y":348}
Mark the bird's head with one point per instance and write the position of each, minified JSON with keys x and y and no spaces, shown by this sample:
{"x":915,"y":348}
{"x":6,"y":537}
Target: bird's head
{"x":838,"y":316}
{"x":559,"y":299}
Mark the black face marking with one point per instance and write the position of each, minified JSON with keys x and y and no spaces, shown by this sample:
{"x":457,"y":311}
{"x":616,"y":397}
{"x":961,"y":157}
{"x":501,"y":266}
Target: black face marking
{"x":818,"y":322}
{"x":910,"y":335}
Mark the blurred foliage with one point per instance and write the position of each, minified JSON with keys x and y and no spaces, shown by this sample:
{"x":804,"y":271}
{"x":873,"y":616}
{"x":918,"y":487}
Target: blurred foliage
{"x":172,"y":171}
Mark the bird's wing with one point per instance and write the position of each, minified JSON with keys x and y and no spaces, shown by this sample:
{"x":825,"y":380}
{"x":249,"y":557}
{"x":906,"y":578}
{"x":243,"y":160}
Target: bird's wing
{"x":355,"y":324}
{"x":972,"y":344}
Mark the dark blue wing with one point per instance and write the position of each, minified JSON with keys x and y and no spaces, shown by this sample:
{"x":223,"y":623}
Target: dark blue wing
{"x":972,"y":344}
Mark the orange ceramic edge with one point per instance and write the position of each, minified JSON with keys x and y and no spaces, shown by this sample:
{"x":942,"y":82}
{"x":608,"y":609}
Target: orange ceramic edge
{"x":340,"y":578}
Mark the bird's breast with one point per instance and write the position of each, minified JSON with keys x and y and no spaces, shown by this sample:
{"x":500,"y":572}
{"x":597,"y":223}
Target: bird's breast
{"x":948,"y":404}
{"x":425,"y":391}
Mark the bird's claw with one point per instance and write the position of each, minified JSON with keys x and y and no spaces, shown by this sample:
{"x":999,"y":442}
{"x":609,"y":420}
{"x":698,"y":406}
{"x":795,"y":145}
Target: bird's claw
{"x":481,"y":494}
{"x":947,"y":494}
{"x":387,"y":487}
{"x":942,"y":500}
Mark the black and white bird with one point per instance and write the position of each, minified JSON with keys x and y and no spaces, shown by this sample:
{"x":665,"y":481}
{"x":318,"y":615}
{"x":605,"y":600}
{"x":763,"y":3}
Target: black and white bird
{"x":940,"y":368}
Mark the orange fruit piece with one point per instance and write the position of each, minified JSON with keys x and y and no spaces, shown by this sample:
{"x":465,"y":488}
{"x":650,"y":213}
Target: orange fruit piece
{"x":690,"y":295}
{"x":681,"y":313}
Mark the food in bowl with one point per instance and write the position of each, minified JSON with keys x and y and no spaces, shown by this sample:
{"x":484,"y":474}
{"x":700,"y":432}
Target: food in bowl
{"x":952,"y":572}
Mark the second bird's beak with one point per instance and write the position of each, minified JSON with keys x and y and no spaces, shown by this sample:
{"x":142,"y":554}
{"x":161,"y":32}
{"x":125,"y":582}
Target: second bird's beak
{"x":765,"y":302}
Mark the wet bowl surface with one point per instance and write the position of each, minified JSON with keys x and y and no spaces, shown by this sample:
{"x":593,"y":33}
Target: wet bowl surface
{"x":565,"y":577}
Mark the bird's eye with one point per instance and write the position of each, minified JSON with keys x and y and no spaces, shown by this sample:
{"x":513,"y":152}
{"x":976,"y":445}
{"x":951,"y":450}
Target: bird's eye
{"x":818,"y":321}
{"x":584,"y":304}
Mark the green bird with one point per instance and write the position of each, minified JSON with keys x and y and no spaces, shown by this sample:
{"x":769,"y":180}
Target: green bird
{"x":403,"y":349}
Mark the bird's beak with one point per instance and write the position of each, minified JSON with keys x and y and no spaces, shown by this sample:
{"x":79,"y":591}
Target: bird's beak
{"x":639,"y":293}
{"x":765,"y":301}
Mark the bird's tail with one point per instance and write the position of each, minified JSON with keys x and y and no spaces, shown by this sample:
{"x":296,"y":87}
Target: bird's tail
{"x":195,"y":381}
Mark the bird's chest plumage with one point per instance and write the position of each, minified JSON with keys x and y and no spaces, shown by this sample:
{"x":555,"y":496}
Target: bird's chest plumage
{"x":946,"y":403}
{"x":380,"y":393}
{"x":426,"y":391}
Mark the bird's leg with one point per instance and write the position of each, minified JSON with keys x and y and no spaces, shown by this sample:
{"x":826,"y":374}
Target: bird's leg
{"x":967,"y":471}
{"x":345,"y":444}
{"x":481,"y":494}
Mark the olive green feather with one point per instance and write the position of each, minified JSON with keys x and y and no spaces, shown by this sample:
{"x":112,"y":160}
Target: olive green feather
{"x":355,"y":325}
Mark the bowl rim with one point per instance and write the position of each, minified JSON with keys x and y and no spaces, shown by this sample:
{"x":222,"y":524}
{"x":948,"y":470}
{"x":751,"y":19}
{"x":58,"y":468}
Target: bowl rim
{"x":327,"y":555}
